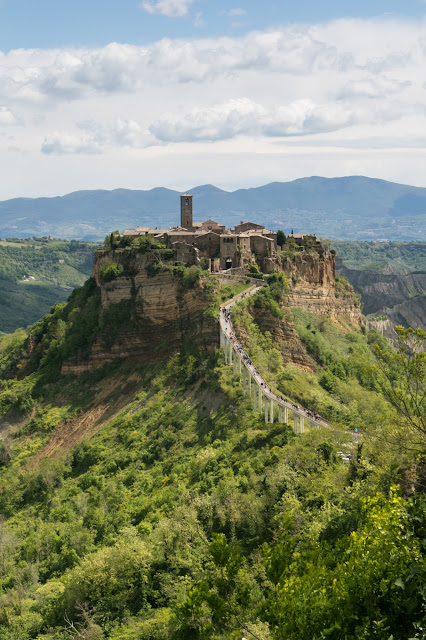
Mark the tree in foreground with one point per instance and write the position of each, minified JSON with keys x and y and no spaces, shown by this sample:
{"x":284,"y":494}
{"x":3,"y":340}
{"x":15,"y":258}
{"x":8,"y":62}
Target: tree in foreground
{"x":402,"y":378}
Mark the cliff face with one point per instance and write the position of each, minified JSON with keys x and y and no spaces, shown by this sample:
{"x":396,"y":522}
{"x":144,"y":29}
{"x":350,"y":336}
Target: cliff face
{"x":411,"y":313}
{"x":313,"y":286}
{"x":145,"y":318}
{"x":398,"y":296}
{"x":284,"y":336}
{"x":380,"y":290}
{"x":148,"y":312}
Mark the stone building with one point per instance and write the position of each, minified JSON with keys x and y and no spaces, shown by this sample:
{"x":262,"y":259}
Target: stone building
{"x":186,"y":253}
{"x":212,"y":225}
{"x":261,"y":245}
{"x":208,"y":242}
{"x":223,"y":248}
{"x":247,"y":226}
{"x":186,"y":211}
{"x":228,"y":251}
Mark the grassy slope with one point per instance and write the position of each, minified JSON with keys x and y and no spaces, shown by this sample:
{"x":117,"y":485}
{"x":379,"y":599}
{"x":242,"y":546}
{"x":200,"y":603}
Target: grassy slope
{"x":186,"y":458}
{"x":111,"y":533}
{"x":341,"y":389}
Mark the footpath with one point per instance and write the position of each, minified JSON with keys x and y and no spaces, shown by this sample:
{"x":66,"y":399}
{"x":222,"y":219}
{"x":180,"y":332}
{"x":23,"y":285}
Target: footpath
{"x":263,"y":398}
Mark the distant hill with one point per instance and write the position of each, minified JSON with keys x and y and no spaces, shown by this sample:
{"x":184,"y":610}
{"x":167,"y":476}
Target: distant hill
{"x":353,"y":208}
{"x":34,"y":276}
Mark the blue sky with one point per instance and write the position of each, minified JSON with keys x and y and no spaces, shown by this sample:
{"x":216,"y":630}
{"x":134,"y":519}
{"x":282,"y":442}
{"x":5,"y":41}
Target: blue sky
{"x":175,"y":93}
{"x":54,"y":23}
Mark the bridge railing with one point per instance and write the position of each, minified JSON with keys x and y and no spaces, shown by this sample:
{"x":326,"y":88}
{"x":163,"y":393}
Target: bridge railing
{"x":264,"y":400}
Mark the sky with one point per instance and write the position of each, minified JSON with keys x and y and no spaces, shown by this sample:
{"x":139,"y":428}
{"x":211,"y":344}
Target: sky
{"x":177,"y":93}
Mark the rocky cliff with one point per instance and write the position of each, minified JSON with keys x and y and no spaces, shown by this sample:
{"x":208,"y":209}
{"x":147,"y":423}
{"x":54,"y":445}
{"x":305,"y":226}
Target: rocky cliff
{"x":149,"y":308}
{"x":284,"y":336}
{"x":380,"y":290}
{"x":398,"y":296}
{"x":146,"y":312}
{"x":314,"y":287}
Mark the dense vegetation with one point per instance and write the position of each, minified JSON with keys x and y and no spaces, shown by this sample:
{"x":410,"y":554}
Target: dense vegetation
{"x":185,"y":516}
{"x":374,"y":256}
{"x":57,"y":268}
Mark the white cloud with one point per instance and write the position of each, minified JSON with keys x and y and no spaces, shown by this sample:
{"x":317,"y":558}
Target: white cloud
{"x":373,"y":87}
{"x":346,"y":49}
{"x":169,"y":8}
{"x":199,"y":20}
{"x":284,"y":90}
{"x":7,"y":117}
{"x":240,"y":12}
{"x":38,"y":76}
{"x":245,"y":117}
{"x":62,"y":143}
{"x":94,"y":137}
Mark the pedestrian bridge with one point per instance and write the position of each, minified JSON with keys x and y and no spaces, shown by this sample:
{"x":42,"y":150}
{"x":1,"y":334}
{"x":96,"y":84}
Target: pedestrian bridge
{"x":264,"y":401}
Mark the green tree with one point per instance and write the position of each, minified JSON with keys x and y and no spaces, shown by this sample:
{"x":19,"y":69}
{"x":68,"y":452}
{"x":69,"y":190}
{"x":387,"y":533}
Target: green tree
{"x":281,"y":238}
{"x":223,"y":601}
{"x":402,"y":378}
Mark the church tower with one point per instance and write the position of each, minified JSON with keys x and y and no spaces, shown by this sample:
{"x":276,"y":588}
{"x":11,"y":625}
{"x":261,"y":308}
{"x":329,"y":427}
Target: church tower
{"x":186,"y":211}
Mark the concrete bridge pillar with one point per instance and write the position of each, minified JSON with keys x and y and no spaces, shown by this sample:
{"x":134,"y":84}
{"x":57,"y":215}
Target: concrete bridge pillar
{"x":255,"y":399}
{"x":266,"y":408}
{"x":226,"y":350}
{"x":222,"y":337}
{"x":239,"y":365}
{"x":235,"y":364}
{"x":271,"y":413}
{"x":244,"y":380}
{"x":249,"y":381}
{"x":260,"y":399}
{"x":296,"y":422}
{"x":230,"y":352}
{"x":285,"y":415}
{"x":301,"y":424}
{"x":280,"y":414}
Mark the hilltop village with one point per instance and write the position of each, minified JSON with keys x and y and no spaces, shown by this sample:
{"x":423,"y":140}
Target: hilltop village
{"x":148,"y":274}
{"x":220,"y":247}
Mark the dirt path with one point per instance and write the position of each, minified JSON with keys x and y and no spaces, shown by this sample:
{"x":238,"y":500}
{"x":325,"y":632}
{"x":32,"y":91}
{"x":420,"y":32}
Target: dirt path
{"x":92,"y":418}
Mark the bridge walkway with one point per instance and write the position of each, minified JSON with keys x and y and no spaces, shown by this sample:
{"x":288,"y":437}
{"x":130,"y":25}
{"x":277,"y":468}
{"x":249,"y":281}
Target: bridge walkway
{"x":264,"y":400}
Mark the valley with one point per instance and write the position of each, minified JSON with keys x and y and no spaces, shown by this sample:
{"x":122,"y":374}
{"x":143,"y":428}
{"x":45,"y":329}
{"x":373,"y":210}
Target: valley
{"x":143,"y":497}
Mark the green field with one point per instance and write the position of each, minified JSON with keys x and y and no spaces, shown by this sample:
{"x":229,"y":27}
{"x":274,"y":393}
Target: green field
{"x":58,"y":267}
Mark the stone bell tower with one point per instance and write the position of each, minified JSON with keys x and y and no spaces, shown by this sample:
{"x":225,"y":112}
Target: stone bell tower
{"x":186,"y":211}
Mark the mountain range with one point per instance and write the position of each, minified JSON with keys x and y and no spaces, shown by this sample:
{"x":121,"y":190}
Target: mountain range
{"x":353,"y":208}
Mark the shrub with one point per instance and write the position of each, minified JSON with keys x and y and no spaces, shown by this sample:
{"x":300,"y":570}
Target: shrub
{"x":110,"y":272}
{"x":153,"y":268}
{"x":342,"y":286}
{"x":191,"y":275}
{"x":114,"y":318}
{"x":328,"y":382}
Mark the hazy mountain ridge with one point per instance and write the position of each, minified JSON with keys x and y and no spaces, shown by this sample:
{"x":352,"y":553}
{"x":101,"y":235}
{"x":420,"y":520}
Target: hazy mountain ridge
{"x":352,"y":207}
